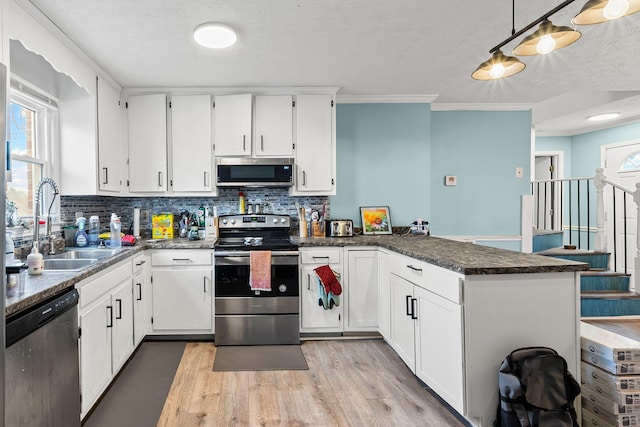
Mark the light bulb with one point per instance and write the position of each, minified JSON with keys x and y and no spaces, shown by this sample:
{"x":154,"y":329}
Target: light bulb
{"x":497,"y":71}
{"x":546,"y":44}
{"x":615,"y":9}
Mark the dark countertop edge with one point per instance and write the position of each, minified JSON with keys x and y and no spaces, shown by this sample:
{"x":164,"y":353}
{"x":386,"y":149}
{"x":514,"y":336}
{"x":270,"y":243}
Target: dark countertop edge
{"x":555,"y":265}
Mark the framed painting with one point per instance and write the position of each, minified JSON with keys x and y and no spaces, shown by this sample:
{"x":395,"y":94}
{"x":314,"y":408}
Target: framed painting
{"x":375,"y":219}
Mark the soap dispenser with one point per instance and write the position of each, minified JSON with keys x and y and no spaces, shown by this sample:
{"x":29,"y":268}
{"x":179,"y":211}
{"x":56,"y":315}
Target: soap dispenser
{"x":81,"y":239}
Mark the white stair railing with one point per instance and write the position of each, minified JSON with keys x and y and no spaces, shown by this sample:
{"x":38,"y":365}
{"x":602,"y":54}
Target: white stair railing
{"x":602,"y":220}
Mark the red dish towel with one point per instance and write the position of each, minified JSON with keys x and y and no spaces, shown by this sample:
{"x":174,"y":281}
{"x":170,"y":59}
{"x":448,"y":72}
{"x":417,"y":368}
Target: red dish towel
{"x":328,"y":279}
{"x":260,"y":270}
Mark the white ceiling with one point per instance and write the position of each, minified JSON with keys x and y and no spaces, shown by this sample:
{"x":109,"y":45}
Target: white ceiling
{"x":366,"y":47}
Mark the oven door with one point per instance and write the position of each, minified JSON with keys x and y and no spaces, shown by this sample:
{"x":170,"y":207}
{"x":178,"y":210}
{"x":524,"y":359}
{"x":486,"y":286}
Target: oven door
{"x":232,"y":270}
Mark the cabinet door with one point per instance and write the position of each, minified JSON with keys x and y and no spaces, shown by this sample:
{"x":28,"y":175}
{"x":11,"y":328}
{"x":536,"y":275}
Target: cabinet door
{"x":384,"y":296}
{"x":274,"y":126}
{"x":140,"y":295}
{"x":439,"y":346}
{"x":315,"y":157}
{"x":191,"y":143}
{"x":147,"y":125}
{"x":314,"y":317}
{"x":183,"y":300}
{"x":362,"y":290}
{"x":232,"y":125}
{"x":122,"y":336}
{"x":402,"y":325}
{"x":95,"y":351}
{"x":110,"y":138}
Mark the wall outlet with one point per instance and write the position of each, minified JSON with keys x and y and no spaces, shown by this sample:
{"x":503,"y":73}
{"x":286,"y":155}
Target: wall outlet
{"x":450,"y":180}
{"x":519,"y":172}
{"x":144,"y":215}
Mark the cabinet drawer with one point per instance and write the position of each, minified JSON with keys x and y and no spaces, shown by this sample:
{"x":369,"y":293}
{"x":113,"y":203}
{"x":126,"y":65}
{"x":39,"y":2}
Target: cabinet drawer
{"x":435,"y":279}
{"x":184,"y":257}
{"x":138,"y":264}
{"x":93,"y":289}
{"x":320,"y":256}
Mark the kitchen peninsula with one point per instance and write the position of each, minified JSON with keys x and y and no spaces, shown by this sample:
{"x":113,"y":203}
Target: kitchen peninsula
{"x":451,"y":310}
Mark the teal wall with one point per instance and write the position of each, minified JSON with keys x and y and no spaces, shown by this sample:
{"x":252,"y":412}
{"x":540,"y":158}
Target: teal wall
{"x":483,"y":149}
{"x":557,"y":143}
{"x":383,"y":159}
{"x":582,"y":152}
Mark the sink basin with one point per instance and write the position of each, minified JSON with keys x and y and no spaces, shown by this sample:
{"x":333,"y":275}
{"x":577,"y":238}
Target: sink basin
{"x":85,"y":254}
{"x":68,"y":264}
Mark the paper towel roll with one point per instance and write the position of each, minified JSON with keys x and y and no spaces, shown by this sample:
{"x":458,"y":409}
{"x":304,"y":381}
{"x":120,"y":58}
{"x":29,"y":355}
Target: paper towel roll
{"x":136,"y":222}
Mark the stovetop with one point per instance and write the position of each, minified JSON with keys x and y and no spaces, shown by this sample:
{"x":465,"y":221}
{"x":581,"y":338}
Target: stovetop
{"x":261,"y":231}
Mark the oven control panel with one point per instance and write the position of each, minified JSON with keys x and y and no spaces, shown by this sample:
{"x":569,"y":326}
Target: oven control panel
{"x":254,"y":221}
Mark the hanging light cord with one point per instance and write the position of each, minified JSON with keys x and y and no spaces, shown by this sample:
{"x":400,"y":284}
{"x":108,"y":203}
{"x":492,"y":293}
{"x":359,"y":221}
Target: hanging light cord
{"x":515,"y":35}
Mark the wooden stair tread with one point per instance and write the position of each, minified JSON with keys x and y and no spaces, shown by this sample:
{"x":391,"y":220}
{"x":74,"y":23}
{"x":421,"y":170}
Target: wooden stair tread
{"x":609,"y":295}
{"x":604,"y":273}
{"x":563,"y":251}
{"x":629,"y":328}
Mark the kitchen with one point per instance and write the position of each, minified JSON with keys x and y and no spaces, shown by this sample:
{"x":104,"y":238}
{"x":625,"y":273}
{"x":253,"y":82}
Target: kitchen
{"x":362,"y":132}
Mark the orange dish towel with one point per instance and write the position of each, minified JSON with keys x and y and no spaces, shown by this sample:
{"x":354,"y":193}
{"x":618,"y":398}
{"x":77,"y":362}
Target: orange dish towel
{"x":260,"y":270}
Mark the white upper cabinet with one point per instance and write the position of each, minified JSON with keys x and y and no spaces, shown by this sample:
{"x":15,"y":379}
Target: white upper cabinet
{"x":315,"y":145}
{"x":111,"y":144}
{"x":147,"y":128}
{"x":273,"y":136}
{"x":191,"y":144}
{"x":232,"y":125}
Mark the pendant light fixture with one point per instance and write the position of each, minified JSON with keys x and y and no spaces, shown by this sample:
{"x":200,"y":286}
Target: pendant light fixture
{"x":497,"y":67}
{"x":598,"y":11}
{"x":546,"y":38}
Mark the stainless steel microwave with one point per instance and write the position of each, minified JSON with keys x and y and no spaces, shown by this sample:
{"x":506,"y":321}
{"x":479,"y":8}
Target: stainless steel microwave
{"x":252,"y":172}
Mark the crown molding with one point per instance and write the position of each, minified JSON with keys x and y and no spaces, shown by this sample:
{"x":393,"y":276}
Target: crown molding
{"x":386,"y":99}
{"x":480,"y":107}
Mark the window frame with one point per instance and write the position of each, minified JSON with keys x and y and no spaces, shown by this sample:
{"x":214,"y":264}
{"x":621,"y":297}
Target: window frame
{"x":46,"y":130}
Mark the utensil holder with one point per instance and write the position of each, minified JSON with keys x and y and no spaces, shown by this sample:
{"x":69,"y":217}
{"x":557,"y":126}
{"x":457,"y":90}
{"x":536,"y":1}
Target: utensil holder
{"x":317,"y":228}
{"x":304,"y":228}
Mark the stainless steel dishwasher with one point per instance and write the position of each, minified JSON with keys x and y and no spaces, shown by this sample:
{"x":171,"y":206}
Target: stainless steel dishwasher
{"x":42,"y":371}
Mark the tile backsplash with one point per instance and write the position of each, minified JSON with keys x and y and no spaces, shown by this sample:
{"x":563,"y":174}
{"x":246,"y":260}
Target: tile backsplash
{"x":273,"y":200}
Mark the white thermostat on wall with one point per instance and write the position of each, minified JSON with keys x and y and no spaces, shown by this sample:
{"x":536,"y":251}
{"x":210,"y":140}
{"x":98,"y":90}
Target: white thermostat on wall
{"x":450,"y":180}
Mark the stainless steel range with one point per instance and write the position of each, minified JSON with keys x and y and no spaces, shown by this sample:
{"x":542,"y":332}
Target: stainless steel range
{"x":246,"y":316}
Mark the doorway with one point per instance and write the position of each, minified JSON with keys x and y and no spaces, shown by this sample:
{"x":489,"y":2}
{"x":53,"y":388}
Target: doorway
{"x":547,"y":191}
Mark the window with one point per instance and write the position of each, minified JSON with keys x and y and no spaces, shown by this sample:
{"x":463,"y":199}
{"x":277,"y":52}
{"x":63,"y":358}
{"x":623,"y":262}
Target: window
{"x":632,"y":163}
{"x":31,"y":121}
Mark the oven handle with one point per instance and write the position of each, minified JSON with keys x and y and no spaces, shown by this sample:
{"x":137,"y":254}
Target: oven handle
{"x":247,"y":253}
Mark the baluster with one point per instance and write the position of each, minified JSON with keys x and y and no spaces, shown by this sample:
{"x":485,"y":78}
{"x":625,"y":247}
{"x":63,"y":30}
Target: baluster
{"x":598,"y":182}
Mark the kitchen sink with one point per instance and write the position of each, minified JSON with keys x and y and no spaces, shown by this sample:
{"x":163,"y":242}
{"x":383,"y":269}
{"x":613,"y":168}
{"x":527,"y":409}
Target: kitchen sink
{"x":81,"y":254}
{"x":68,"y":264}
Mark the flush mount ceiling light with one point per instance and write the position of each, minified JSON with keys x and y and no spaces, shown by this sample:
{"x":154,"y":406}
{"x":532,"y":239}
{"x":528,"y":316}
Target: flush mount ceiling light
{"x":598,"y":11}
{"x":214,"y":35}
{"x":547,"y":38}
{"x":498,"y":66}
{"x":603,"y":117}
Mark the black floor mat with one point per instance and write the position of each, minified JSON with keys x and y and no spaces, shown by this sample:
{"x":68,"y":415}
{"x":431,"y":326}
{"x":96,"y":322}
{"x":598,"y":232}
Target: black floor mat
{"x":259,"y":358}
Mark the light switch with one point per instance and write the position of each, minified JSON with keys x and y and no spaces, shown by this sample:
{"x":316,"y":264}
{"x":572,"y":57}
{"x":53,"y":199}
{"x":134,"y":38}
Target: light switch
{"x":450,"y":180}
{"x":519,"y":172}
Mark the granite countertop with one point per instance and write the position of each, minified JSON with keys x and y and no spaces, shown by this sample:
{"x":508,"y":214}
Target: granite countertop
{"x":464,"y":258}
{"x":461,"y":257}
{"x":41,"y":287}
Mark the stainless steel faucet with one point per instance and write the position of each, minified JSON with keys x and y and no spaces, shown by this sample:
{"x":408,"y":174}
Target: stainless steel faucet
{"x":36,"y":225}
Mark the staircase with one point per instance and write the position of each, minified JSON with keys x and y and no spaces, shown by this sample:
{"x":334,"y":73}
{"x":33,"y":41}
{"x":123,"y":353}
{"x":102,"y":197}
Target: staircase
{"x":603,"y":292}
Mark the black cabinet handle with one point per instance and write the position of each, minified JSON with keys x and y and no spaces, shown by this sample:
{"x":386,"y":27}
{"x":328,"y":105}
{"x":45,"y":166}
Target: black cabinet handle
{"x":414,"y":268}
{"x":110,"y":324}
{"x":119,"y":315}
{"x":413,"y":308}
{"x":408,"y":297}
{"x":261,"y":142}
{"x":106,"y":175}
{"x":140,"y":263}
{"x":139,"y":291}
{"x":204,"y":284}
{"x":159,"y":179}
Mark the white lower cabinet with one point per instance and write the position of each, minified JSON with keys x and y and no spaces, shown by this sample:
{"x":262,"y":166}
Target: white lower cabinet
{"x":384,"y":295}
{"x":106,"y":329}
{"x":402,"y":323}
{"x":313,"y":317}
{"x":182,"y":283}
{"x":141,"y":297}
{"x":361,"y":292}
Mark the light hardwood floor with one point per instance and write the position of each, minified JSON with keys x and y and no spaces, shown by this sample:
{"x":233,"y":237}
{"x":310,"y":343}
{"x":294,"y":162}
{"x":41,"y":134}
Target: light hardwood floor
{"x":349,"y":383}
